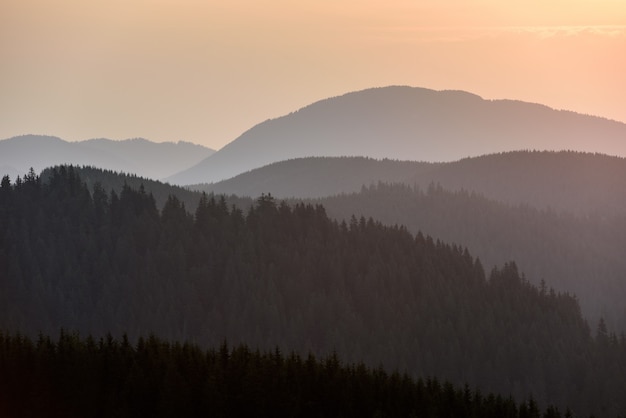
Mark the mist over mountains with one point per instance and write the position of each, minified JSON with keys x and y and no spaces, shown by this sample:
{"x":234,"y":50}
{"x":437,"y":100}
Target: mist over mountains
{"x":408,"y":123}
{"x":138,"y":156}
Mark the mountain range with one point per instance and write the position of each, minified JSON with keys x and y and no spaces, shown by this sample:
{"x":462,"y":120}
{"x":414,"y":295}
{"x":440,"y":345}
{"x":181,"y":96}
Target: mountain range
{"x":408,"y":123}
{"x":138,"y":156}
{"x":397,"y":123}
{"x":421,"y":232}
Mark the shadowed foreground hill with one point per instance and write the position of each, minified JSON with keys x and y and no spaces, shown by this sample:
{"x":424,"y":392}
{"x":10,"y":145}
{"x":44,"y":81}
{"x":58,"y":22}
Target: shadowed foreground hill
{"x":291,"y":277}
{"x":408,"y":123}
{"x":75,"y":377}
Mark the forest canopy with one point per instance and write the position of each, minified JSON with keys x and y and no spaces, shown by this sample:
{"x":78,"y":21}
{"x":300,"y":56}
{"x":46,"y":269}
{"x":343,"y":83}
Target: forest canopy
{"x":290,"y":277}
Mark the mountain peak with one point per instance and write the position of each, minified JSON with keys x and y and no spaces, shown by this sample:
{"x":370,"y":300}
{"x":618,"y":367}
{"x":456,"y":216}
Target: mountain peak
{"x":409,"y":123}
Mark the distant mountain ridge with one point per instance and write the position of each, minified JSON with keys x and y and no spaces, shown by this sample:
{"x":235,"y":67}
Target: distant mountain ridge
{"x":580,"y":183}
{"x":138,"y":156}
{"x":314,"y":177}
{"x":408,"y":123}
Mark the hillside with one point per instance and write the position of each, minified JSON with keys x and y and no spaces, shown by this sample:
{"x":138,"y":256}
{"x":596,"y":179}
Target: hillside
{"x":579,"y":183}
{"x":410,"y":124}
{"x":110,"y":181}
{"x":315,"y":177}
{"x":137,"y":156}
{"x":580,"y":255}
{"x":291,"y":277}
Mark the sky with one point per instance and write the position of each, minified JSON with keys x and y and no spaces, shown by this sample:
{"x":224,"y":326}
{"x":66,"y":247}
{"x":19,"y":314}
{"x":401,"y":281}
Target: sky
{"x":205,"y":71}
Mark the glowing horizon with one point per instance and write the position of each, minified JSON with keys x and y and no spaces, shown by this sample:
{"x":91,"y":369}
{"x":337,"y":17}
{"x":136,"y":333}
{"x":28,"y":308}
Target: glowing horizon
{"x":205,"y":72}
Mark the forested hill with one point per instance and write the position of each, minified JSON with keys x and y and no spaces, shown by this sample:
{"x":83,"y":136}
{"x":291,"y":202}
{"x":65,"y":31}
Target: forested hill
{"x":580,"y":255}
{"x":575,"y":182}
{"x":286,"y":276}
{"x":110,"y":181}
{"x":74,"y":377}
{"x":316,"y":177}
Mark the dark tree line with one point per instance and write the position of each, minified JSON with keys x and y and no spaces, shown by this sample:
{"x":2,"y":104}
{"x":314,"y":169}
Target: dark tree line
{"x":110,"y":180}
{"x":74,"y":377}
{"x":288,"y":276}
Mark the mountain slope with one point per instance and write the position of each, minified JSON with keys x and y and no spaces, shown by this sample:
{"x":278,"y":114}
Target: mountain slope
{"x":582,"y":255}
{"x":580,"y":183}
{"x":314,"y":177}
{"x":152,"y":159}
{"x":410,"y":124}
{"x":138,"y":156}
{"x":112,"y":181}
{"x":291,"y":277}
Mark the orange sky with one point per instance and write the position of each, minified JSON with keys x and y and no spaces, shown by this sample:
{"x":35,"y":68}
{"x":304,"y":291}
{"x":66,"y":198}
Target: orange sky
{"x":205,"y":71}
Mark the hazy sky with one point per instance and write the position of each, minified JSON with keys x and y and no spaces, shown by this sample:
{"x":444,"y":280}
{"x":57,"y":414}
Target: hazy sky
{"x":205,"y":71}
